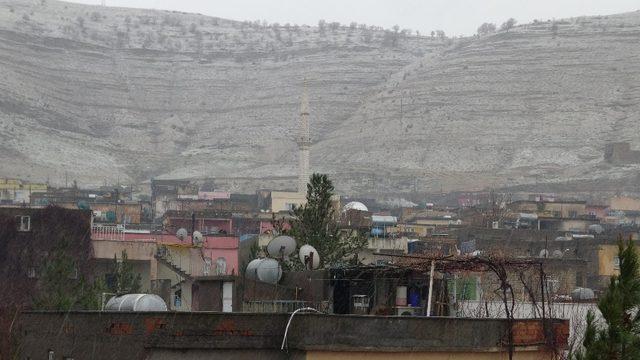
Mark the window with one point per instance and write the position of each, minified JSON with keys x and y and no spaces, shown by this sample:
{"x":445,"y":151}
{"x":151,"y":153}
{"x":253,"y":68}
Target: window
{"x":616,"y":263}
{"x":32,"y":273}
{"x":24,"y":223}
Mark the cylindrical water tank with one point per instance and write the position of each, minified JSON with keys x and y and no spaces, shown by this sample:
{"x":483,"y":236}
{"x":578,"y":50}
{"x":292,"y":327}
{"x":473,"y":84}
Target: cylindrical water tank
{"x":136,"y":302}
{"x":401,"y":296}
{"x":582,"y":294}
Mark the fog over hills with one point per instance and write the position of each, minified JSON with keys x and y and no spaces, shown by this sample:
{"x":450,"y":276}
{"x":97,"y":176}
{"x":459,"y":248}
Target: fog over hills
{"x":105,"y":93}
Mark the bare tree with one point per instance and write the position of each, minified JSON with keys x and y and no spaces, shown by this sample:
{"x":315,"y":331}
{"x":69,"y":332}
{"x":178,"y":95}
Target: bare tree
{"x":497,"y":209}
{"x":486,"y":28}
{"x":508,"y":25}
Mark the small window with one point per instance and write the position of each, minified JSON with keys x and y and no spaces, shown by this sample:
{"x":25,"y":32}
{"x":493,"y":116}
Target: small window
{"x":24,"y":223}
{"x":616,"y":263}
{"x":32,"y":273}
{"x":51,"y":355}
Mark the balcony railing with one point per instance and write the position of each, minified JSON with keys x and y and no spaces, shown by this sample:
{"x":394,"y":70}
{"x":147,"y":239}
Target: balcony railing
{"x":107,"y":232}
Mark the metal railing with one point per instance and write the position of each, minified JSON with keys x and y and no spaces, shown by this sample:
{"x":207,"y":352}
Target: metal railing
{"x":273,"y":306}
{"x":107,"y":232}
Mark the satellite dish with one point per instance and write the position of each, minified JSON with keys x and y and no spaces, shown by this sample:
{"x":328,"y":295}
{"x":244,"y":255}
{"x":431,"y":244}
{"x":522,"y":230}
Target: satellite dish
{"x":182,"y":234}
{"x":83,"y":205}
{"x":544,"y":253}
{"x":557,"y":254}
{"x":281,"y":246}
{"x":252,"y":267}
{"x":221,"y":266}
{"x":197,"y":238}
{"x":309,"y":257}
{"x":266,"y":270}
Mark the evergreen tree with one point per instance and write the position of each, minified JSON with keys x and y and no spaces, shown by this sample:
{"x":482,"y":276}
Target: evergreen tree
{"x":315,"y":224}
{"x":61,"y":287}
{"x":619,"y":336}
{"x":124,"y":279}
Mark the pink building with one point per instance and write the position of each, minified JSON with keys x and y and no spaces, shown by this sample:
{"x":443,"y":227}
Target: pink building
{"x":167,"y":264}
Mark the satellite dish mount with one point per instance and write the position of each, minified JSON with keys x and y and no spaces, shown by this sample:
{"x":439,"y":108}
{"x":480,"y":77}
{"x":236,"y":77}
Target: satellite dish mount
{"x":308,"y":261}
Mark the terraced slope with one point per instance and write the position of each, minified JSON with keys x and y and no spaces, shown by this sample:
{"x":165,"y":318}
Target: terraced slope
{"x":111,"y":93}
{"x":105,"y":93}
{"x":525,"y":106}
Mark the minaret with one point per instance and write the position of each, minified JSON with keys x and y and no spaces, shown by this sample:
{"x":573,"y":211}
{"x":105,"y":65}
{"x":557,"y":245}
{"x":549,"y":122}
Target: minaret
{"x":304,"y":142}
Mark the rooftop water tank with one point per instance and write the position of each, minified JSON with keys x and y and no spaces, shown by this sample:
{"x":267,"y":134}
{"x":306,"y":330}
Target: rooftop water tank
{"x":136,"y":302}
{"x":582,"y":294}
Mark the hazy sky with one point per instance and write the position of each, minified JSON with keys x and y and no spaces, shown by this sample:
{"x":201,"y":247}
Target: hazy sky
{"x":455,"y":17}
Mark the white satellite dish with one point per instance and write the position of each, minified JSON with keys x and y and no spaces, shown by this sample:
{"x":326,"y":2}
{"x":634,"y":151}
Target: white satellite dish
{"x":182,"y":234}
{"x":557,"y":254}
{"x":309,"y":257}
{"x":281,"y":246}
{"x":266,"y":270}
{"x":197,"y":238}
{"x":252,"y":267}
{"x":544,"y":253}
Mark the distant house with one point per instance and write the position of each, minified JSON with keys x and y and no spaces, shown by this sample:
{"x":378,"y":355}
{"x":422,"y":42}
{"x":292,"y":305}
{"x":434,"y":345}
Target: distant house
{"x":162,"y":191}
{"x":14,"y":191}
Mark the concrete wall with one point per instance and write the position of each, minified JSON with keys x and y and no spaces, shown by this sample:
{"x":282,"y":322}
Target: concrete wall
{"x":121,"y":335}
{"x":624,"y":203}
{"x":280,"y":199}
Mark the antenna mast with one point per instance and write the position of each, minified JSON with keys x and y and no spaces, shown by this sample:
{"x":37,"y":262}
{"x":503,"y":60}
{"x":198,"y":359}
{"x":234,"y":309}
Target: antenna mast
{"x":304,"y":142}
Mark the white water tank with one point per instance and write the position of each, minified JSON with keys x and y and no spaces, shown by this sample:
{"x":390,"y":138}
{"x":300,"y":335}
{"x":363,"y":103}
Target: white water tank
{"x":136,"y":302}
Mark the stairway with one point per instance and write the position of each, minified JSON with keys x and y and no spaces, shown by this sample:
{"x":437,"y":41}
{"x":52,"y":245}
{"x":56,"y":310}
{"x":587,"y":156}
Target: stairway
{"x":163,"y":256}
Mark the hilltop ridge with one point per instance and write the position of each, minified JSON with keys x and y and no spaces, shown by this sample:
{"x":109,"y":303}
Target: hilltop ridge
{"x":107,"y":93}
